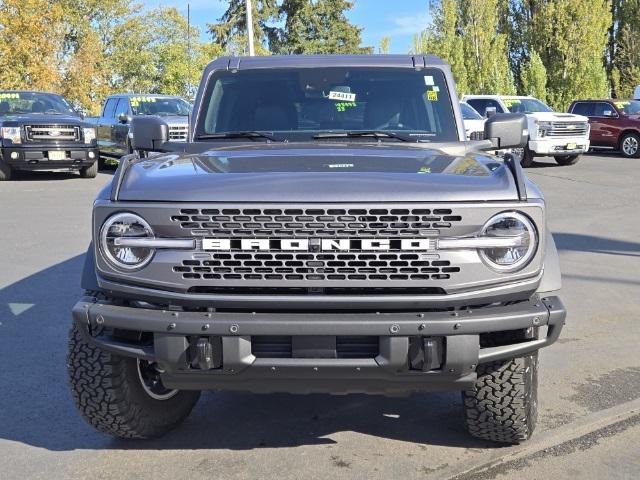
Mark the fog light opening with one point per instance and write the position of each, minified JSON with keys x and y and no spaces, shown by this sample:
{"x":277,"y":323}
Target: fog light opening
{"x":92,"y":155}
{"x":15,"y":155}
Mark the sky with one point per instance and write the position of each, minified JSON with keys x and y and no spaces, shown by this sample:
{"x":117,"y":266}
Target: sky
{"x":398,"y":19}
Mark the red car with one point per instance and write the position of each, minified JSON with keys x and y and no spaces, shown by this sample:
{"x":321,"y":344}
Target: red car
{"x":615,"y":124}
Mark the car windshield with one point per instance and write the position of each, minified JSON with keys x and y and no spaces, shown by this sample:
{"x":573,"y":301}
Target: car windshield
{"x":628,"y":107}
{"x":525,"y":105}
{"x":393,"y":104}
{"x":14,"y":103}
{"x":162,"y":106}
{"x":469,"y":113}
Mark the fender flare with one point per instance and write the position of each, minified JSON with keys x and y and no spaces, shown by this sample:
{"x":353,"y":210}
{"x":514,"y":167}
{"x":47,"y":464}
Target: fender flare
{"x":551,"y":277}
{"x":89,"y":279}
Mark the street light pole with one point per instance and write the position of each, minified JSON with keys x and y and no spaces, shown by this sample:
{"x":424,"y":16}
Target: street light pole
{"x":250,"y":27}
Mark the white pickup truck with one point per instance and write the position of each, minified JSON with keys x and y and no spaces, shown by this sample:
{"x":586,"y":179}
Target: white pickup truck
{"x":563,"y":136}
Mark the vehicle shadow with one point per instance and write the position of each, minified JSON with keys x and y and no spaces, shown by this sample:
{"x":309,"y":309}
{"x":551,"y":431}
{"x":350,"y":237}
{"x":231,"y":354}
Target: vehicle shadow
{"x":37,"y":408}
{"x":594,"y":244}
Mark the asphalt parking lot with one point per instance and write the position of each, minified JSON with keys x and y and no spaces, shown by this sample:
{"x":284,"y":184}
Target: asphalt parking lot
{"x":589,"y":396}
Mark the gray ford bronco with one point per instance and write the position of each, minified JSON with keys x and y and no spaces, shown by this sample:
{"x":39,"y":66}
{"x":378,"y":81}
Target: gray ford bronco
{"x":325,"y":228}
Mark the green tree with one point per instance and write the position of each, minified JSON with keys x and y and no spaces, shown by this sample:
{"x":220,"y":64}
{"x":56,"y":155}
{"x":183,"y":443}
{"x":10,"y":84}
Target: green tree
{"x":442,"y":38}
{"x":317,"y":27}
{"x":385,"y":43}
{"x":625,"y":75}
{"x":571,"y":38}
{"x":230,"y":31}
{"x":534,"y":78}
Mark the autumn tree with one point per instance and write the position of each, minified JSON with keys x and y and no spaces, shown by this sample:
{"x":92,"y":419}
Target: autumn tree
{"x":31,"y":38}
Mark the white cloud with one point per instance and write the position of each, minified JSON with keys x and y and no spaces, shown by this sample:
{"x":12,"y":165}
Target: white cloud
{"x":409,"y":24}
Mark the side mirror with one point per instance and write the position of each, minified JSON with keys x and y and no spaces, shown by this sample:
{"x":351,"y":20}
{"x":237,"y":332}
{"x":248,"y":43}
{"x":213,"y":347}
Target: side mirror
{"x":124,"y":118}
{"x":490,"y":112}
{"x":149,"y":133}
{"x":507,"y":130}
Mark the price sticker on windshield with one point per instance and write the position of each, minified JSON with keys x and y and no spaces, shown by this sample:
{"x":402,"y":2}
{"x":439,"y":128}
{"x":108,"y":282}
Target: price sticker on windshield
{"x":432,"y":95}
{"x":342,"y":96}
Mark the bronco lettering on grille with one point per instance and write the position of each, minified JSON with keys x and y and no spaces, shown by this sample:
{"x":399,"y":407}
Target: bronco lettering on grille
{"x":325,"y":244}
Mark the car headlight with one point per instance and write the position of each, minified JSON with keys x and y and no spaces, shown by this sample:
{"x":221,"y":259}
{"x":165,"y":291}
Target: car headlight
{"x":544,"y":128}
{"x":12,"y":133}
{"x":122,"y":227}
{"x":89,"y":134}
{"x":521,"y":242}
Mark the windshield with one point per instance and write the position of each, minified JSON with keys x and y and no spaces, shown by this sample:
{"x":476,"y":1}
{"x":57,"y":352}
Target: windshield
{"x":13,"y":103}
{"x":628,"y":107}
{"x":299,"y":103}
{"x":525,"y":105}
{"x":161,"y":106}
{"x":469,"y":113}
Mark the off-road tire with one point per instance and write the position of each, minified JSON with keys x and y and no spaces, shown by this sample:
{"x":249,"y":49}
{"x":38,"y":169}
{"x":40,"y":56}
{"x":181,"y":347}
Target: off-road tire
{"x":109,"y":394}
{"x":566,"y":160}
{"x":634,"y":137}
{"x":503,"y":405}
{"x":527,"y":158}
{"x":6,"y":172}
{"x":91,"y":171}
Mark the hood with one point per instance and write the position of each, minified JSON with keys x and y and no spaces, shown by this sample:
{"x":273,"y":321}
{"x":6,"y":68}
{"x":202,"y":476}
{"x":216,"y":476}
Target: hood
{"x":318,"y":173}
{"x":38,"y":118}
{"x":557,"y":117}
{"x":174,"y":119}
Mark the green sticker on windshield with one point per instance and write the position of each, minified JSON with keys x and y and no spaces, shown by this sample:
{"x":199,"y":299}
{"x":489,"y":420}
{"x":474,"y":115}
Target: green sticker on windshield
{"x":432,"y":95}
{"x":511,"y":101}
{"x":621,"y":105}
{"x":342,"y":106}
{"x":424,"y":169}
{"x":9,"y":95}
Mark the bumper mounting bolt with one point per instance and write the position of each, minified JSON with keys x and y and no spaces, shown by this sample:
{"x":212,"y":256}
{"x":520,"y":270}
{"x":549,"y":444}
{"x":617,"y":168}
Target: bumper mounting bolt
{"x":233,"y":328}
{"x":457,"y":326}
{"x":536,"y":320}
{"x":100,"y":320}
{"x":171,"y":326}
{"x":421,"y":315}
{"x":205,"y":326}
{"x":422,"y":326}
{"x":395,"y":328}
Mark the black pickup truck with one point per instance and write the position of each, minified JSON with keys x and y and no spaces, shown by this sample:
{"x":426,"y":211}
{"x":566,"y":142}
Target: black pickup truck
{"x":41,"y":131}
{"x":114,"y":123}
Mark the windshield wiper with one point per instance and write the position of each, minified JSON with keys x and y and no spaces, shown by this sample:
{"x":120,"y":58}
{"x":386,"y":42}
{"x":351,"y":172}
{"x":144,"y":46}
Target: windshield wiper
{"x":247,"y":134}
{"x":366,"y":133}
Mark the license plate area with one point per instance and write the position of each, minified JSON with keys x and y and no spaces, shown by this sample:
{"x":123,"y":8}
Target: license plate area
{"x":571,"y":146}
{"x":57,"y":155}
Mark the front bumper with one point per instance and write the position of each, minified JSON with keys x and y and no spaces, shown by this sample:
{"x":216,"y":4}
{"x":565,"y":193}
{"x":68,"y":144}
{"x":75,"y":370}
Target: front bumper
{"x":172,"y":335}
{"x":37,"y":158}
{"x":559,"y":146}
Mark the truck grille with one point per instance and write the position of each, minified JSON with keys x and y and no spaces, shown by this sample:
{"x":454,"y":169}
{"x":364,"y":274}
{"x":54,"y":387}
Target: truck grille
{"x":315,"y":222}
{"x":568,"y":129}
{"x":52,"y":133}
{"x":178,"y":133}
{"x":317,"y":266}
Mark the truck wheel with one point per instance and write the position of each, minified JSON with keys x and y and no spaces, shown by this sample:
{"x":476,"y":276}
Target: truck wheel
{"x":503,"y":405}
{"x":90,"y":171}
{"x":6,"y":172}
{"x":123,"y":396}
{"x":630,"y":145}
{"x":565,"y":160}
{"x":527,"y":158}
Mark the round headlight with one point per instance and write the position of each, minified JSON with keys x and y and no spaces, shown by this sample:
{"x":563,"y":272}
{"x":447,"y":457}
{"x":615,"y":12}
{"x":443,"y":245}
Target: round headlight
{"x":510,"y":225}
{"x":125,"y":225}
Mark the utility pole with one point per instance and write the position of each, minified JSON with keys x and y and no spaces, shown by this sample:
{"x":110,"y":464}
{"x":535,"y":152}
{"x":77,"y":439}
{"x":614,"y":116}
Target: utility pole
{"x":250,"y":27}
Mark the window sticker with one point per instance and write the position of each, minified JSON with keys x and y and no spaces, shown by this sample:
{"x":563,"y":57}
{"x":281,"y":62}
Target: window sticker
{"x":511,"y":101}
{"x":424,"y":169}
{"x":432,"y":96}
{"x":344,"y":96}
{"x":135,"y":101}
{"x":342,"y":106}
{"x":621,"y":105}
{"x":9,"y":95}
{"x":428,"y":80}
{"x":436,"y":88}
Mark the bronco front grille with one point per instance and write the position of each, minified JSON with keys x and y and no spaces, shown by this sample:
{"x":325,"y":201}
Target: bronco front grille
{"x":315,"y":222}
{"x":52,"y":133}
{"x":387,"y":266}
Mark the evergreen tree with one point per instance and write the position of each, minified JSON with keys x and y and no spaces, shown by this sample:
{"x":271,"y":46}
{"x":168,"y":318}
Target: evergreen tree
{"x":230,"y":31}
{"x":319,"y":26}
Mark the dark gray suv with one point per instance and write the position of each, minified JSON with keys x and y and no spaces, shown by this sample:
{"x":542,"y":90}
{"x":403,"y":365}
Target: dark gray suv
{"x":325,"y":228}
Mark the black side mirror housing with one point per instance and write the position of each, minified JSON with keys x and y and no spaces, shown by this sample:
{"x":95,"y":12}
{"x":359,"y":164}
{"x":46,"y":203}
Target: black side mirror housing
{"x":507,"y":130}
{"x":124,"y":118}
{"x":149,"y":133}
